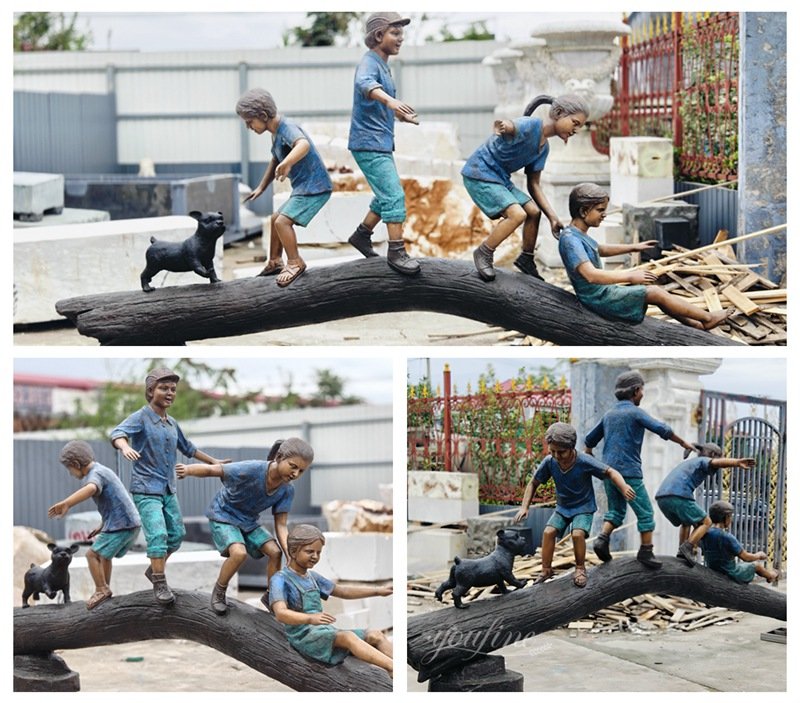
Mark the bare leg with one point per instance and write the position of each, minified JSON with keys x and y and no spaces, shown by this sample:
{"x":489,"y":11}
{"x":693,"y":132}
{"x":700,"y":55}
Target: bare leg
{"x":157,"y":564}
{"x":378,"y":640}
{"x":680,"y":310}
{"x":286,"y":233}
{"x":361,"y":650}
{"x":548,"y":548}
{"x":371,"y":220}
{"x":237,"y":554}
{"x":699,"y":532}
{"x":530,"y":229}
{"x":683,"y":534}
{"x":275,"y":246}
{"x":98,"y":573}
{"x":513,"y":217}
{"x":579,"y":545}
{"x":769,"y":574}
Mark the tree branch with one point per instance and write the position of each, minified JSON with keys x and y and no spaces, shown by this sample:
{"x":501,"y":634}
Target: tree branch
{"x":182,"y":313}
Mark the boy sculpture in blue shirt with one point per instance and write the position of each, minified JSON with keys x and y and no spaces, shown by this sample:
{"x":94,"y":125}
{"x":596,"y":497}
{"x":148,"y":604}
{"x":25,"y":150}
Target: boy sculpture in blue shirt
{"x":622,"y":428}
{"x":375,"y":107}
{"x":675,"y":496}
{"x":575,"y":504}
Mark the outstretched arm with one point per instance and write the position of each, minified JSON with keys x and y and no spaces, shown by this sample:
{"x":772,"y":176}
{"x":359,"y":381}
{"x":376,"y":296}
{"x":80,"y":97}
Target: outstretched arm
{"x":729,"y":463}
{"x":282,"y":532}
{"x":616,"y":249}
{"x":537,"y":193}
{"x":208,"y":459}
{"x":199,"y":470}
{"x":683,"y":443}
{"x":351,"y":592}
{"x":266,"y":179}
{"x":61,"y":508}
{"x":402,"y":111}
{"x":744,"y":555}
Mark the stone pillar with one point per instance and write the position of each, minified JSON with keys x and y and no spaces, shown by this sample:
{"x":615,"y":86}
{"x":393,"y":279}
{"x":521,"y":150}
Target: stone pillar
{"x":762,"y":140}
{"x":671,"y":394}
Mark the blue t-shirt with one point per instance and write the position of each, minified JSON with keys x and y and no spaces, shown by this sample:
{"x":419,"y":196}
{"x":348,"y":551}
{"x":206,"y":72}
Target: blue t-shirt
{"x":157,"y":442}
{"x":281,"y":588}
{"x":309,"y":175}
{"x":112,"y":500}
{"x":372,"y":122}
{"x":686,"y":477}
{"x":720,"y":549}
{"x":622,"y":429}
{"x":576,"y":248}
{"x":574,"y":491}
{"x":243,"y":496}
{"x":499,"y":156}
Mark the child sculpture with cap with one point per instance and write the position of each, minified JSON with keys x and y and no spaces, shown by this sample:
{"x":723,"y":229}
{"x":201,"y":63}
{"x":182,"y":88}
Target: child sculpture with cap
{"x":151,"y":438}
{"x":622,"y":429}
{"x":296,"y":593}
{"x":375,"y":108}
{"x":675,"y":496}
{"x":721,"y":548}
{"x":293,"y":155}
{"x":120,"y":521}
{"x":572,"y":473}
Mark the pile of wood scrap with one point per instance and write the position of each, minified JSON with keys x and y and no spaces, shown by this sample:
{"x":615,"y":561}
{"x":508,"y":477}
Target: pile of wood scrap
{"x":710,"y":277}
{"x":646,"y":612}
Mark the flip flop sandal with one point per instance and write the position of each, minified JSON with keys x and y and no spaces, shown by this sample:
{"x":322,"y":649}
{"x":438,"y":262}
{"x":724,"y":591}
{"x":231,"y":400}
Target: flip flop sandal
{"x":97,"y":598}
{"x":271,"y":269}
{"x":544,"y":576}
{"x":294,"y":271}
{"x":579,"y":579}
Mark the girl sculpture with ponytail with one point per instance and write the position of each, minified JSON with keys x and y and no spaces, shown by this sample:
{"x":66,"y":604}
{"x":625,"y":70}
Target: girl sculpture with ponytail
{"x":248,"y":489}
{"x":516,"y":144}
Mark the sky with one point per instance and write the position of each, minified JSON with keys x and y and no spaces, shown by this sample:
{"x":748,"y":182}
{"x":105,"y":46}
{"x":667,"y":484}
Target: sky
{"x":369,"y":379}
{"x":754,"y":376}
{"x":219,"y":31}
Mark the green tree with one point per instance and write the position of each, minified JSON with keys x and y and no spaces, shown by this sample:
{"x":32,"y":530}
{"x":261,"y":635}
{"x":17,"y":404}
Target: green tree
{"x":49,"y":31}
{"x":119,"y":398}
{"x":325,"y":29}
{"x":330,"y":388}
{"x":475,"y":31}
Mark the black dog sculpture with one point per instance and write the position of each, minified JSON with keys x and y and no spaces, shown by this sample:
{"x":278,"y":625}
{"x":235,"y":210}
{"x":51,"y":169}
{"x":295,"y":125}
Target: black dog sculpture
{"x":496,"y":568}
{"x":50,"y":579}
{"x":193,"y":254}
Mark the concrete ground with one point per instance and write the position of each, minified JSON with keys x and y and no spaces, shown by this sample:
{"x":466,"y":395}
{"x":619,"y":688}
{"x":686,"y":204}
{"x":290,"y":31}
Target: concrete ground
{"x":716,"y":658}
{"x":390,"y":329}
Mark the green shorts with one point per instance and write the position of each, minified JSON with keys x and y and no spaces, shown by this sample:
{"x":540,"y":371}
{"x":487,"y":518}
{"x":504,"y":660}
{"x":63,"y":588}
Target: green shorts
{"x":618,"y":506}
{"x":225,"y":534}
{"x":581,"y":521}
{"x":493,"y":198}
{"x":301,"y":209}
{"x":114,"y":544}
{"x":380,"y":172}
{"x":681,"y":511}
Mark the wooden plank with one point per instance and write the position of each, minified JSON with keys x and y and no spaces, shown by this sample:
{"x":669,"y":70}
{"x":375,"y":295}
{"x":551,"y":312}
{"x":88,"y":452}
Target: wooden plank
{"x":740,"y":300}
{"x":711,"y":259}
{"x":678,"y":615}
{"x":712,"y":300}
{"x":747,"y":282}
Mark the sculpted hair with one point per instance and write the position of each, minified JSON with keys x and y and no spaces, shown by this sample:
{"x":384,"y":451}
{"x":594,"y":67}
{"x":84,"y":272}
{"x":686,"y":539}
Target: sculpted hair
{"x":256,"y":103}
{"x":585,"y":195}
{"x":562,"y":434}
{"x":301,"y":535}
{"x":562,"y":106}
{"x":719,"y":510}
{"x":294,"y":446}
{"x":76,"y":453}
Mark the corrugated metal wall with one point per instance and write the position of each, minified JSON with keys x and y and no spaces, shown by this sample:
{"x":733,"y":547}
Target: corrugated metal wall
{"x":63,"y":133}
{"x":719,"y":209}
{"x":353,"y":456}
{"x":179,"y":108}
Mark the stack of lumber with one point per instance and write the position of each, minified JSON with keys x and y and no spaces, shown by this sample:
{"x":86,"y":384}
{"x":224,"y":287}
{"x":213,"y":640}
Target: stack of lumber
{"x":646,"y":612}
{"x":714,"y":280}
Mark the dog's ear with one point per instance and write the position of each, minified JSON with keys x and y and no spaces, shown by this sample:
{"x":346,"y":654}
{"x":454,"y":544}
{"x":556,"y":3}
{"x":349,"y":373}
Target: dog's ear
{"x":51,"y":546}
{"x":500,"y":532}
{"x":196,"y":214}
{"x":74,"y":548}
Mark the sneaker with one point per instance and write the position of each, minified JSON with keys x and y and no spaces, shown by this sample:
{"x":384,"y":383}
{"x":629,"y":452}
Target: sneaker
{"x":525,"y":263}
{"x":645,"y":556}
{"x":161,"y":590}
{"x":218,"y":603}
{"x":400,"y":261}
{"x":483,"y":257}
{"x":686,"y":552}
{"x":149,"y":574}
{"x":361,"y":239}
{"x":601,"y":547}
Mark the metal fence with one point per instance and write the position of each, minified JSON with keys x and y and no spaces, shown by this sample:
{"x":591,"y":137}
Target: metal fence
{"x":758,"y":495}
{"x":678,"y":78}
{"x":497,"y":433}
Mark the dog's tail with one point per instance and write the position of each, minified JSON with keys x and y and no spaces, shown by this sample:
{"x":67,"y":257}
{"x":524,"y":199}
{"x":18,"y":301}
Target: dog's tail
{"x":457,"y":560}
